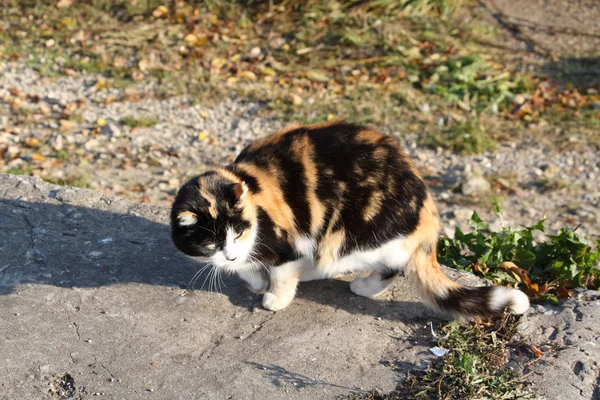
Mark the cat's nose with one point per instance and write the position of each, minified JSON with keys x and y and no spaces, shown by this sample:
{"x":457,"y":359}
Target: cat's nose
{"x":231,"y":258}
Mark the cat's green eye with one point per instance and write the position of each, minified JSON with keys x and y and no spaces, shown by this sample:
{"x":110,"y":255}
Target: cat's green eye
{"x":211,"y":246}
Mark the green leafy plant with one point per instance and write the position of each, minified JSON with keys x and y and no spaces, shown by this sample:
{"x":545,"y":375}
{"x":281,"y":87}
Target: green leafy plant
{"x":547,"y":270}
{"x":472,"y":82}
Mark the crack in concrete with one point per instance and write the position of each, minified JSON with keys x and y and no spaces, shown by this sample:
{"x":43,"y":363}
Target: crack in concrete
{"x":107,"y":370}
{"x":76,"y":329}
{"x":206,"y":354}
{"x":260,"y":326}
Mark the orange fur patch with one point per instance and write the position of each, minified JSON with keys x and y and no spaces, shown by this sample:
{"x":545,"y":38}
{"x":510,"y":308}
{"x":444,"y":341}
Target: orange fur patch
{"x":208,"y":196}
{"x":329,"y":247}
{"x":331,"y":242}
{"x":270,"y":198}
{"x":373,"y":206}
{"x":369,"y":136}
{"x":304,"y":152}
{"x":423,"y":267}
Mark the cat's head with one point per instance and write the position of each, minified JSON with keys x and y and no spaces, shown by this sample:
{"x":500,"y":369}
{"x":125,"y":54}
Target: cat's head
{"x":212,"y":220}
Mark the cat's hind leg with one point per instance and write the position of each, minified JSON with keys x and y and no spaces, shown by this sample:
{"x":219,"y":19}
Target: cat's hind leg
{"x":373,"y":285}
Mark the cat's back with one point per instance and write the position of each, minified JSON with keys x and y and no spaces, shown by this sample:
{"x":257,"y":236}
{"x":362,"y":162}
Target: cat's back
{"x":327,"y":145}
{"x":314,"y":175}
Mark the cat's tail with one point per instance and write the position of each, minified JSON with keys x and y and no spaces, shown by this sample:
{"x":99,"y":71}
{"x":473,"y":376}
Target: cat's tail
{"x":461,"y":301}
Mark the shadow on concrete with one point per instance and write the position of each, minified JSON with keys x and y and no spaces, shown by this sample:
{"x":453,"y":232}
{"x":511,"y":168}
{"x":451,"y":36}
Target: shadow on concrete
{"x":582,"y":73}
{"x":73,"y":246}
{"x":280,"y":376}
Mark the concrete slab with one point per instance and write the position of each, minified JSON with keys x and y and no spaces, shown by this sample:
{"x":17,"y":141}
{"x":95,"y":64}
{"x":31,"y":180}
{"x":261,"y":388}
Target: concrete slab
{"x":91,"y":285}
{"x":93,"y":303}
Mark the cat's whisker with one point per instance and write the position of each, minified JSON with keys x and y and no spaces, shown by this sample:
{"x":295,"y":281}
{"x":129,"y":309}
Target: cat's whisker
{"x":197,"y":276}
{"x":219,"y":280}
{"x":213,"y":287}
{"x":207,"y":279}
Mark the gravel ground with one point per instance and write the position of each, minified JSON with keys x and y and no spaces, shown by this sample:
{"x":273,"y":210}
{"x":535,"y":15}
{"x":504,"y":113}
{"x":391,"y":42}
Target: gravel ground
{"x":72,"y":127}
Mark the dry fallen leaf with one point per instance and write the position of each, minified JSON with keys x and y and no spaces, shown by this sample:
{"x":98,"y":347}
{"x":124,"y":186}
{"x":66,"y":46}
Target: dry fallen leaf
{"x":64,"y":3}
{"x":519,"y":274}
{"x":296,"y":100}
{"x":143,"y":65}
{"x":33,"y":143}
{"x":190,"y":39}
{"x":160,"y":12}
{"x":66,"y":125}
{"x":536,"y":352}
{"x":38,"y":157}
{"x":247,"y":75}
{"x":16,"y":104}
{"x":137,"y":75}
{"x":317,"y":76}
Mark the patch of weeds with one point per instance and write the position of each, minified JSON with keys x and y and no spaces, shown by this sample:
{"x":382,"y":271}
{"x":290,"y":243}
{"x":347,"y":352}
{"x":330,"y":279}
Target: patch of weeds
{"x":470,"y":138}
{"x":484,"y":31}
{"x":471,"y":82}
{"x":587,"y":117}
{"x":62,"y":155}
{"x":25,"y":112}
{"x":473,"y":368}
{"x":547,"y":271}
{"x":443,"y":7}
{"x":75,"y":117}
{"x":80,"y":181}
{"x":413,"y":7}
{"x":25,"y":169}
{"x":139,"y":122}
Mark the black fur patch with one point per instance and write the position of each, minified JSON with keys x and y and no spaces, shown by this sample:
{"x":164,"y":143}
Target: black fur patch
{"x":269,"y":248}
{"x":468,"y":301}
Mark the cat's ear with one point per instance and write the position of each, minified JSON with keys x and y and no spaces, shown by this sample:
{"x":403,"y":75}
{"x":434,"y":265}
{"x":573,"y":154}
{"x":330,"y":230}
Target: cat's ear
{"x":187,"y":218}
{"x":239,"y":190}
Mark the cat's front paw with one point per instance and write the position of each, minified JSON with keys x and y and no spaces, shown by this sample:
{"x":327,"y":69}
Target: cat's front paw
{"x":276,"y":303}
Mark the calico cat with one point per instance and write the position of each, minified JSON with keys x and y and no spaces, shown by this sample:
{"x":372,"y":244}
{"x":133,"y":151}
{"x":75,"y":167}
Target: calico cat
{"x":312,"y":202}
